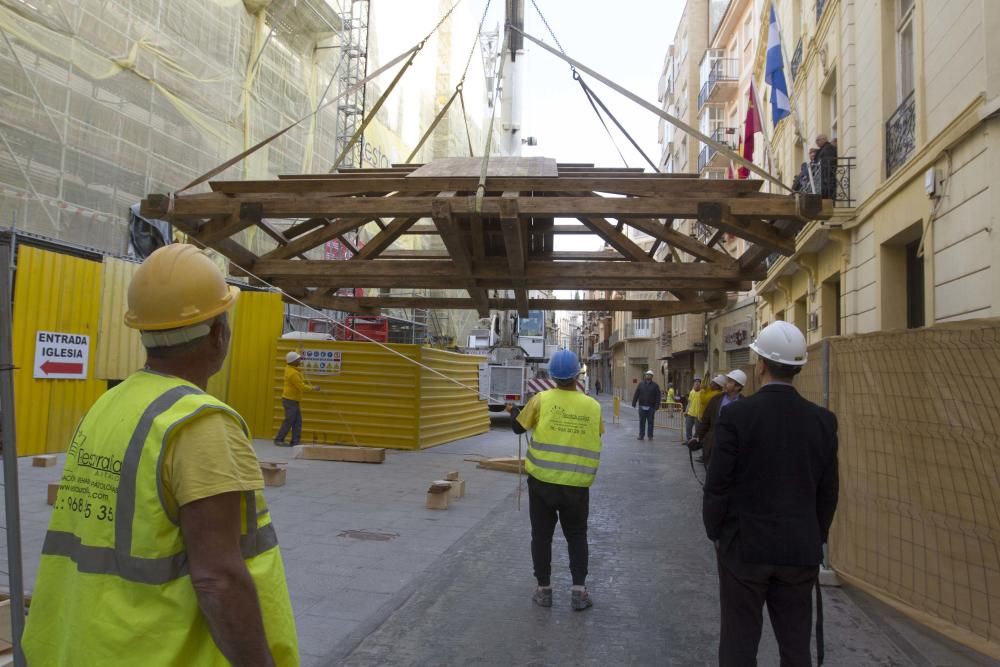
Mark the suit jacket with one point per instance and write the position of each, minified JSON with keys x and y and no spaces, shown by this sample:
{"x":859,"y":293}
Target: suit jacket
{"x":772,"y":482}
{"x":705,"y":430}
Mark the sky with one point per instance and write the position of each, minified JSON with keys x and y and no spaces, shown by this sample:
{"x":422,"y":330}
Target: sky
{"x":624,"y":40}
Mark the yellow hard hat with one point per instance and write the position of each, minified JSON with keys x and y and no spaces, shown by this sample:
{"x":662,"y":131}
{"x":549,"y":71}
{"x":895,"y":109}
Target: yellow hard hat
{"x":178,"y":285}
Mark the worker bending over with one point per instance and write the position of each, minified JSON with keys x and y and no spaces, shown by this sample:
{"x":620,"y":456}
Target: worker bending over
{"x":160,"y":549}
{"x":563,"y":454}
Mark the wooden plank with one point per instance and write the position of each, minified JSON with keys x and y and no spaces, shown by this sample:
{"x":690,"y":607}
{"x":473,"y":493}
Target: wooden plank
{"x":339,"y":453}
{"x":544,"y":282}
{"x":247,"y":214}
{"x":301,"y":228}
{"x":497,"y":166}
{"x":228,"y":248}
{"x":44,"y":461}
{"x":718,"y":215}
{"x":504,"y":464}
{"x":559,"y":255}
{"x":460,"y":257}
{"x":515,"y":244}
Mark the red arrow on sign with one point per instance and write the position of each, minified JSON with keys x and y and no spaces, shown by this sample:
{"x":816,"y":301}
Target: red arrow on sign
{"x":55,"y":367}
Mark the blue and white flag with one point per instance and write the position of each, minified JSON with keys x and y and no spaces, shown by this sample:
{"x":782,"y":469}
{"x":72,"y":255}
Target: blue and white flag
{"x":774,"y":73}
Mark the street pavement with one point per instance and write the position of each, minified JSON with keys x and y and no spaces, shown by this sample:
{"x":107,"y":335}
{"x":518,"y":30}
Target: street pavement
{"x":378,"y":579}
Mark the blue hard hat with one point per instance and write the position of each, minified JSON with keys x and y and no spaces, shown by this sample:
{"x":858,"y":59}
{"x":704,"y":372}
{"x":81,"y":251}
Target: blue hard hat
{"x":564,"y":365}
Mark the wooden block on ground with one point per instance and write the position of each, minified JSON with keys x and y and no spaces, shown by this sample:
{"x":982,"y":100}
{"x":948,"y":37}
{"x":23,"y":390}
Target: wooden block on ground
{"x":505,"y":463}
{"x":452,"y":476}
{"x":274,"y":473}
{"x":44,"y":461}
{"x":53,"y":492}
{"x":438,"y":495}
{"x":458,"y":489}
{"x":340,"y":453}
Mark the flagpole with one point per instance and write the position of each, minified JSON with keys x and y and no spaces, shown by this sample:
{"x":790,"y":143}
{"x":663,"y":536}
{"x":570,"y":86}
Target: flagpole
{"x":763,"y":125}
{"x":791,"y":92}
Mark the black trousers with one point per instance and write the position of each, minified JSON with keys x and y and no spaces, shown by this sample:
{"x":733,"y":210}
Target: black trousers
{"x":569,"y":506}
{"x":646,"y":421}
{"x":744,"y":589}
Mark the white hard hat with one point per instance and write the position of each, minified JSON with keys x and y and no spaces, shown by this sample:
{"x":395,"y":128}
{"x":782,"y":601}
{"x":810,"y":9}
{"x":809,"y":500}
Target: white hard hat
{"x":650,"y":372}
{"x":719,"y":380}
{"x":737,"y":376}
{"x":781,"y":342}
{"x":292,"y":357}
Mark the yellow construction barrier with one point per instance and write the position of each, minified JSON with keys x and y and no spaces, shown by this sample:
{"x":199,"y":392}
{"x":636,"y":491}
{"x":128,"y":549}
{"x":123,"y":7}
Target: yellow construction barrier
{"x":670,"y":416}
{"x":373,"y":397}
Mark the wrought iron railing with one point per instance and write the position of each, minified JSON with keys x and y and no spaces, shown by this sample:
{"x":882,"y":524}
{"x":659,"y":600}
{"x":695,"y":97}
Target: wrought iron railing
{"x":831,"y":178}
{"x":723,"y":69}
{"x":796,"y":60}
{"x":900,"y":135}
{"x":820,"y":6}
{"x":728,"y":136}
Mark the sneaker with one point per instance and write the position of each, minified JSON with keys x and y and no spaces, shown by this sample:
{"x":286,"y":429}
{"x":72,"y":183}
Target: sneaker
{"x":639,"y":438}
{"x":542,"y":597}
{"x":581,"y":600}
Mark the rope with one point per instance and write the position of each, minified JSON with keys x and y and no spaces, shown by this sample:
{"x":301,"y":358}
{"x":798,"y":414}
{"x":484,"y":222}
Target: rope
{"x":375,"y":109}
{"x":434,"y":124}
{"x":465,"y":117}
{"x":586,"y":91}
{"x":673,"y":120}
{"x":481,"y":190}
{"x":621,"y":128}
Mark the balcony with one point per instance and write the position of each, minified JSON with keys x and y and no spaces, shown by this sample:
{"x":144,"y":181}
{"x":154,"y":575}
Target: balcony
{"x":831,"y":178}
{"x":796,"y":61}
{"x":720,"y":83}
{"x":708,"y":157}
{"x":900,"y":135}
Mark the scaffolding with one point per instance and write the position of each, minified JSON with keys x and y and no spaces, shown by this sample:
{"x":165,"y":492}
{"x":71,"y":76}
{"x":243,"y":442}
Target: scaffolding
{"x":351,"y":109}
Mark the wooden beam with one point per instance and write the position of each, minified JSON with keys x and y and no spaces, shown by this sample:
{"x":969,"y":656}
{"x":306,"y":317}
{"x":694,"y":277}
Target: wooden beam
{"x":643,"y":306}
{"x":385,"y":238}
{"x":459,"y":254}
{"x":215,"y":204}
{"x":559,"y":255}
{"x":635,"y":185}
{"x":515,"y":244}
{"x":676,"y":239}
{"x":556,"y":229}
{"x":718,"y":215}
{"x":315,"y":238}
{"x":616,"y":239}
{"x":238,"y":255}
{"x":301,"y":228}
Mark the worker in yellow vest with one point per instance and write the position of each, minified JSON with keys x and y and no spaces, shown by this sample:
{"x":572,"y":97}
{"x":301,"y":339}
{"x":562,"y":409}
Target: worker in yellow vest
{"x":562,"y":459}
{"x":291,"y":400}
{"x":693,"y":413}
{"x":160,"y":549}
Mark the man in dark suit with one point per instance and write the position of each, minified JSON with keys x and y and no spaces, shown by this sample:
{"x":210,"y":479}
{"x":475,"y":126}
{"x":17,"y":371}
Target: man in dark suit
{"x":770,"y":497}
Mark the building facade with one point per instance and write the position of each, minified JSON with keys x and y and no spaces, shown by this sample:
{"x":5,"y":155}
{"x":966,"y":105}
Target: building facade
{"x":910,"y":89}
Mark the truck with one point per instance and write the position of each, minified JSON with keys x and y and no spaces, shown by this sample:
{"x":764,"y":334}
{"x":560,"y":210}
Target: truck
{"x":515,"y":351}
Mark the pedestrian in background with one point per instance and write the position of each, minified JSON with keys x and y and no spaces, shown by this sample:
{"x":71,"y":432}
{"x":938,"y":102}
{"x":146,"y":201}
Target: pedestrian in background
{"x":563,"y":455}
{"x":170,"y":559}
{"x":732,"y":389}
{"x":693,"y":410}
{"x":671,"y":398}
{"x":291,"y":400}
{"x":769,"y":500}
{"x":597,"y":384}
{"x":647,"y":396}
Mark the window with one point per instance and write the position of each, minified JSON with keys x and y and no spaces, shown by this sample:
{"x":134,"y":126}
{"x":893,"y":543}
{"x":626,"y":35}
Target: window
{"x":904,"y":49}
{"x":828,"y":108}
{"x":902,"y":280}
{"x":642,"y":327}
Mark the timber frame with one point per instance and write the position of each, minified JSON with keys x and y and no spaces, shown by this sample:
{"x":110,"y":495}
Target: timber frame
{"x":498,"y":246}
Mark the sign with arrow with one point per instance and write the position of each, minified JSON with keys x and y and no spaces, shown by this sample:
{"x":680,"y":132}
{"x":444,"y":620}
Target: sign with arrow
{"x":61,"y":356}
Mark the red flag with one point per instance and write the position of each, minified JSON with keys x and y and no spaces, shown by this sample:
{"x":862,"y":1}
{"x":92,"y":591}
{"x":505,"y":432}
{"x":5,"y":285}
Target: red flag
{"x":751,"y":126}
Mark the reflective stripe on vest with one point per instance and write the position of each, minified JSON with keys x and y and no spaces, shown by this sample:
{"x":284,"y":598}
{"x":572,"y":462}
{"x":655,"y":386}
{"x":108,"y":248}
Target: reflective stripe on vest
{"x":119,"y":561}
{"x":565,"y":446}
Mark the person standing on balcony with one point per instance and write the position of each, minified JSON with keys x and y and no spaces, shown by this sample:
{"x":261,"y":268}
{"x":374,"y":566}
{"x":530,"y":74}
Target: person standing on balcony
{"x":647,"y":395}
{"x":826,"y":156}
{"x":801,"y":180}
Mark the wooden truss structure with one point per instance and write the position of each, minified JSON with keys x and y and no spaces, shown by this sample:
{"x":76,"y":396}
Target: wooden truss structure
{"x":497,"y":242}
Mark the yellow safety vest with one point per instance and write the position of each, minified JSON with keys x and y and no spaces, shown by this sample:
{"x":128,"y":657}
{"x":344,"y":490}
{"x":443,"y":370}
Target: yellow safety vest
{"x":113,"y":585}
{"x":565,"y":445}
